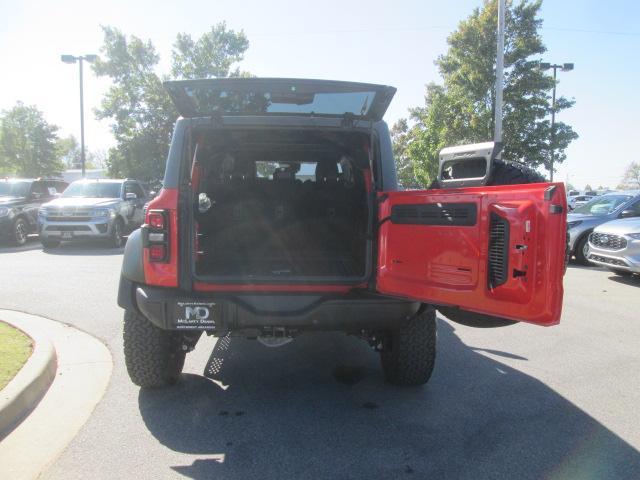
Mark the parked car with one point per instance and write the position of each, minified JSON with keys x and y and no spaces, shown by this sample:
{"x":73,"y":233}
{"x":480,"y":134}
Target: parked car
{"x":286,"y":218}
{"x":616,"y":245}
{"x":93,"y":209}
{"x":601,"y":209}
{"x":579,"y":200}
{"x":20,"y":200}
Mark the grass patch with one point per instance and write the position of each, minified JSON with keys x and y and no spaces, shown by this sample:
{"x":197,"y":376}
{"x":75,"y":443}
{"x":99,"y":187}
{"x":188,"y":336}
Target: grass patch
{"x":15,"y":349}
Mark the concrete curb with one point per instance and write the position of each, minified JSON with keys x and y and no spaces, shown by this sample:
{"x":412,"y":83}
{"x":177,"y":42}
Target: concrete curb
{"x":84,"y":367}
{"x":25,"y":390}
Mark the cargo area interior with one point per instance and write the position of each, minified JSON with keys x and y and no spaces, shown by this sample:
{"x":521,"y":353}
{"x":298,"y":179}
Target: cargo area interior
{"x":281,"y":205}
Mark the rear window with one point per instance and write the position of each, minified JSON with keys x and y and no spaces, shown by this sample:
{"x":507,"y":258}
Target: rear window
{"x":279,"y":96}
{"x":300,"y":171}
{"x":233,"y":102}
{"x":14,"y":189}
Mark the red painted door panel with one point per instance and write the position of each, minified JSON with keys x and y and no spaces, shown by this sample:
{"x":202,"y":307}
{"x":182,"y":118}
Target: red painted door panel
{"x":492,"y":250}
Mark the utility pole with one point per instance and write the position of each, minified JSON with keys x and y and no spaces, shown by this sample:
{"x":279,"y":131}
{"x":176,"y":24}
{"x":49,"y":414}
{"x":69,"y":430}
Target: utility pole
{"x":82,"y":160}
{"x":497,"y":134}
{"x":80,"y":59}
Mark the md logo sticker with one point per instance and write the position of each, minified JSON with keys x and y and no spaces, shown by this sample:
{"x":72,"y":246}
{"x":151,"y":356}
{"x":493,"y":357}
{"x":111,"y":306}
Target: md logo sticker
{"x":195,"y":315}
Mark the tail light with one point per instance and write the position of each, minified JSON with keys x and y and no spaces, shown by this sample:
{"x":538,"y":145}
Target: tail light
{"x":157,"y":220}
{"x":160,"y":239}
{"x":158,"y":236}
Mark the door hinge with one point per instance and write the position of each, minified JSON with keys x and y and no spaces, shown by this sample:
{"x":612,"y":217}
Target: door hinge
{"x":347,"y":120}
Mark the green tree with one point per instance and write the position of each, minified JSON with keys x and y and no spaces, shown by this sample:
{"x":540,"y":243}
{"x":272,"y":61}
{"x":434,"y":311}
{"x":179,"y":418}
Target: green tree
{"x":70,"y":155}
{"x":141,"y":112}
{"x":461,"y":110}
{"x":212,"y":55}
{"x":631,"y":176}
{"x":68,"y":151}
{"x":28,"y":143}
{"x":404,"y":166}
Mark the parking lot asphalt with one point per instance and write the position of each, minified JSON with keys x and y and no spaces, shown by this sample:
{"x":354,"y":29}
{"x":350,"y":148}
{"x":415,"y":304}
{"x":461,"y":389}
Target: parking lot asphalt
{"x":515,"y":402}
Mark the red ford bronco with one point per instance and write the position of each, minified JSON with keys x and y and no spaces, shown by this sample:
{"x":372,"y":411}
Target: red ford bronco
{"x":281,"y":215}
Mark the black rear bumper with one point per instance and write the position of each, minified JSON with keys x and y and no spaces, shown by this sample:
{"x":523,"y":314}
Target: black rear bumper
{"x":171,"y":309}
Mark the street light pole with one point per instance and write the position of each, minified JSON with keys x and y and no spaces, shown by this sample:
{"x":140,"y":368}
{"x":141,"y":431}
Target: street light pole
{"x":80,"y":59}
{"x":497,"y":132}
{"x":565,"y":67}
{"x":82,"y":159}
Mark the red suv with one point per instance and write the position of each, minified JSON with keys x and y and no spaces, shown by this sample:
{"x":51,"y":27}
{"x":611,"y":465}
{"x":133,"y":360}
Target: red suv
{"x":280,"y":215}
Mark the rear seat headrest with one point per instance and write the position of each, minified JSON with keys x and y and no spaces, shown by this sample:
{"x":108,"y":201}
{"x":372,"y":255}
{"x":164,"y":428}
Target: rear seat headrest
{"x":326,"y":170}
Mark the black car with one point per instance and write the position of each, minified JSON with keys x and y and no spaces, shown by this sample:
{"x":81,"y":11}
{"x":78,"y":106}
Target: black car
{"x":20,"y":200}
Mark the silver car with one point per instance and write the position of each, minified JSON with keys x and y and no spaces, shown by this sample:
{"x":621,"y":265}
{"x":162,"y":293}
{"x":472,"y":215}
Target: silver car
{"x":602,"y":209}
{"x":616,"y":245}
{"x":579,"y":200}
{"x":93,"y":209}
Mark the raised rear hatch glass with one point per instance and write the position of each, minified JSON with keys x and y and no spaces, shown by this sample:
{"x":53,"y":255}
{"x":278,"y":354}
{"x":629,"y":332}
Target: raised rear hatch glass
{"x":279,"y":96}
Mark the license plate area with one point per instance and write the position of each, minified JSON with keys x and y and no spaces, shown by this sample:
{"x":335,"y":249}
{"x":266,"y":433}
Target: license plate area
{"x":196,"y":315}
{"x":67,"y":235}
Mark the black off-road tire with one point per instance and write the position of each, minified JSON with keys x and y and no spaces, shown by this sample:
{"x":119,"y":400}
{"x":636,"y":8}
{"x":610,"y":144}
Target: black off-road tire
{"x":512,"y":173}
{"x":20,"y":232}
{"x":578,"y":251}
{"x":507,"y":173}
{"x":408,"y":354}
{"x":153,"y":356}
{"x":117,"y":234}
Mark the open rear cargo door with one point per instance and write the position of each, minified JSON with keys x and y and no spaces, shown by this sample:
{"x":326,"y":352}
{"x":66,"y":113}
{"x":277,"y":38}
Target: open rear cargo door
{"x":279,"y":96}
{"x":498,"y":250}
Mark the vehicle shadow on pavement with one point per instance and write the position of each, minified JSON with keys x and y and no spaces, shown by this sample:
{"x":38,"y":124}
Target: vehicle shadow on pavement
{"x":585,"y":267}
{"x":86,"y":247}
{"x":319,"y":408}
{"x":633,"y":280}
{"x":32,"y":244}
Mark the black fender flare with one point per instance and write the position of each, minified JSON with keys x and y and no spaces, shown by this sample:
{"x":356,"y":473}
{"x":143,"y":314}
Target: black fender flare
{"x":132,"y":271}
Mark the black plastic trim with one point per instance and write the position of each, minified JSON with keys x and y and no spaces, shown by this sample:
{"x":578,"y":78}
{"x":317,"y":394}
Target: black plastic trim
{"x":549,"y":192}
{"x":555,"y":209}
{"x":498,"y":271}
{"x":132,"y":261}
{"x":447,"y":214}
{"x":125,"y":294}
{"x":350,"y":313}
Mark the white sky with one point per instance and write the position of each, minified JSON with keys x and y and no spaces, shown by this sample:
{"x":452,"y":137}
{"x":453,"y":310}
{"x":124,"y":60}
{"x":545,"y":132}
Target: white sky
{"x":394,"y":43}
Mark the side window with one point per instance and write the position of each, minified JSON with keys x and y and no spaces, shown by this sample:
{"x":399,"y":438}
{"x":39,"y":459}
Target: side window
{"x":52,"y":188}
{"x":137,"y":189}
{"x":131,"y":187}
{"x":39,"y":190}
{"x":635,"y":208}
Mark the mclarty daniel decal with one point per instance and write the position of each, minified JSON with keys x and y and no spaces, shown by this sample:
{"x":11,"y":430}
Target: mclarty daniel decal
{"x":195,"y":315}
